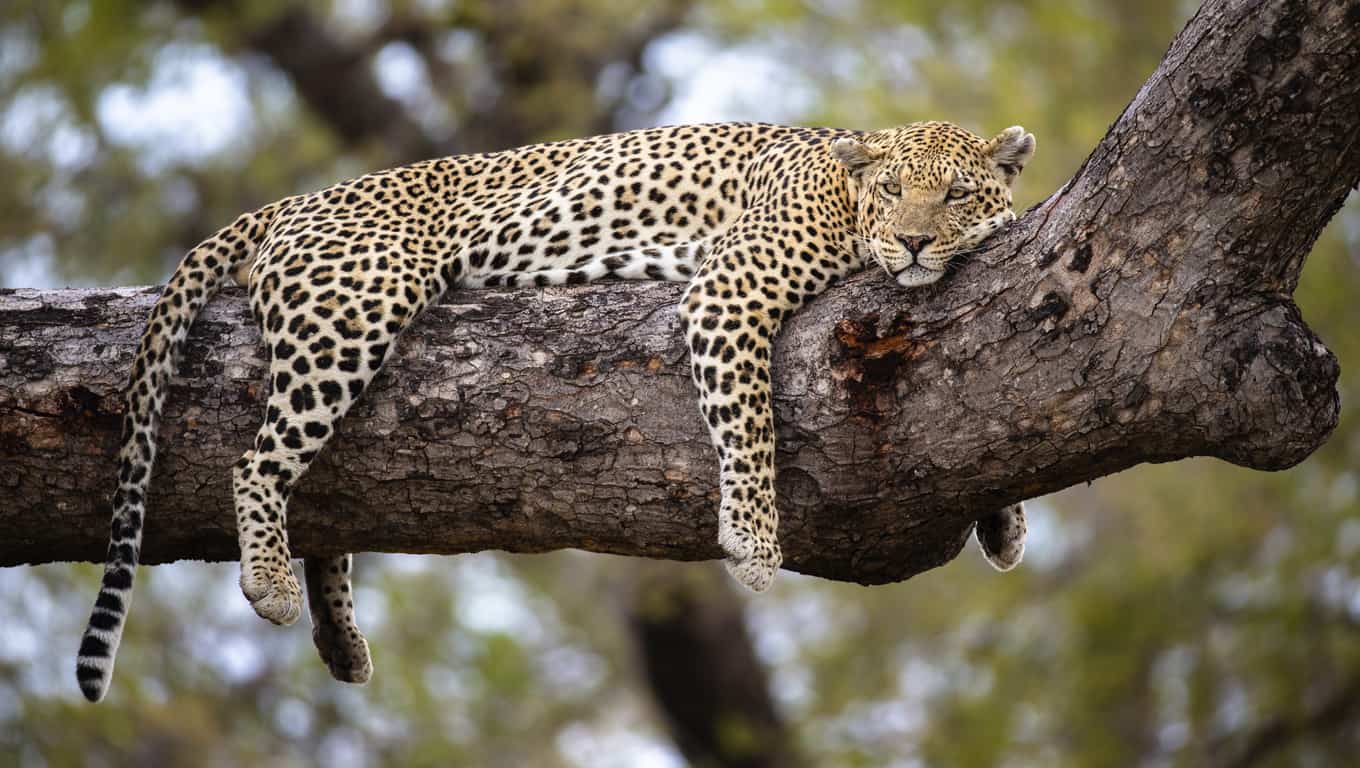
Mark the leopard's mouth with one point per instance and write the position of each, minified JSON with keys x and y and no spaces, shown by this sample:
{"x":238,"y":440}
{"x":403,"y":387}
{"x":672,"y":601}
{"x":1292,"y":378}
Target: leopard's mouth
{"x":902,"y":266}
{"x":911,"y":271}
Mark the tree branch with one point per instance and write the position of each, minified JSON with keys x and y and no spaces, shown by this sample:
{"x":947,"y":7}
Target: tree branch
{"x":702,"y":669}
{"x":1331,"y":714}
{"x":332,"y":78}
{"x":1142,"y":313}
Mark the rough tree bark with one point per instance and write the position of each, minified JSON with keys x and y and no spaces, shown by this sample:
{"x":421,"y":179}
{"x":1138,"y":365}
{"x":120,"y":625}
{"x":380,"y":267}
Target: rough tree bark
{"x":1141,"y":313}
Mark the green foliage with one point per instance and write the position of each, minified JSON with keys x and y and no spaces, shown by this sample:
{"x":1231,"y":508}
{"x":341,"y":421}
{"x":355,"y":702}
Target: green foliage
{"x":1165,"y":617}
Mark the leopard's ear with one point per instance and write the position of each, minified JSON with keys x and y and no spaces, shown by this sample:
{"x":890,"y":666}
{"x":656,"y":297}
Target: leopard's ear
{"x":855,"y":155}
{"x":1010,"y":150}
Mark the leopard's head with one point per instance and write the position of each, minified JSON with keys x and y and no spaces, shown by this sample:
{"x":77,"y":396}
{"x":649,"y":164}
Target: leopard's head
{"x":927,"y":192}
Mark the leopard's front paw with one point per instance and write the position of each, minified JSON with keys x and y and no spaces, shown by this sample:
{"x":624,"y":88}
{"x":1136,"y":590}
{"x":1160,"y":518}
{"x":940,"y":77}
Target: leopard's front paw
{"x":750,"y":560}
{"x":1001,"y":537}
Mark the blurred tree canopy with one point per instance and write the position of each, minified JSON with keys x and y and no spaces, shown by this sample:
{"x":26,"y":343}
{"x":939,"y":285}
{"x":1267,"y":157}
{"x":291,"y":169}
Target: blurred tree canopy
{"x":1184,"y":614}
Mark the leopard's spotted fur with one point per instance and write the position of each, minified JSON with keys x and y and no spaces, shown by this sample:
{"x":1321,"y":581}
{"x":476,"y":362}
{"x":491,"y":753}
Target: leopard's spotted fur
{"x":758,"y":218}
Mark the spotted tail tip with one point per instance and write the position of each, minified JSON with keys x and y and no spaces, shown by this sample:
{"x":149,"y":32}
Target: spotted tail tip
{"x":94,"y":666}
{"x":94,"y":660}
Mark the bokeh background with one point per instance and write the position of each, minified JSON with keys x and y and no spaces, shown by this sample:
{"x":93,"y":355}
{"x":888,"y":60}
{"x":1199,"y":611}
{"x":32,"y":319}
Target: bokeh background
{"x":1177,"y":615}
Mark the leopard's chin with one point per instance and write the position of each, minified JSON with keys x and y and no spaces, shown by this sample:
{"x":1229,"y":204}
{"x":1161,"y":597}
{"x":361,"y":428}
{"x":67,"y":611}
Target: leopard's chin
{"x":917,"y":275}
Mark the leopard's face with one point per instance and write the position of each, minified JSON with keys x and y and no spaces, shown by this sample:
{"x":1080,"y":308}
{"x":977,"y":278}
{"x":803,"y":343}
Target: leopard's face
{"x":927,"y":192}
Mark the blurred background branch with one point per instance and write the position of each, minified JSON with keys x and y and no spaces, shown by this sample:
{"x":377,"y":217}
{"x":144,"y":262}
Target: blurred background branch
{"x":332,"y":76}
{"x":689,"y":627}
{"x":1327,"y":719}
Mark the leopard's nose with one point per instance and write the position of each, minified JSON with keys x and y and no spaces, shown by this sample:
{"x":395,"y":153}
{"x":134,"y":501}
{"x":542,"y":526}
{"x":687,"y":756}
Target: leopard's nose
{"x":915,"y":243}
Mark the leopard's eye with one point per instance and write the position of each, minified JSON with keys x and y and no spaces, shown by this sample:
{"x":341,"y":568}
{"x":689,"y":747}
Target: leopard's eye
{"x":890,"y":188}
{"x":956,"y":194}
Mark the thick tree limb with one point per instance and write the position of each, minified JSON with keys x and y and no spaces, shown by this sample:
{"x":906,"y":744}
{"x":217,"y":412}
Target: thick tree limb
{"x":1142,"y":313}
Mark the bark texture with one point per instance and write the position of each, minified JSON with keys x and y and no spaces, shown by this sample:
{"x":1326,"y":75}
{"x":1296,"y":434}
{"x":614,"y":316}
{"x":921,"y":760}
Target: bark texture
{"x":1142,"y":313}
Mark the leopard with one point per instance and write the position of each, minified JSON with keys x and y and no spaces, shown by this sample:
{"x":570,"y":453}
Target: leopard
{"x":757,"y":219}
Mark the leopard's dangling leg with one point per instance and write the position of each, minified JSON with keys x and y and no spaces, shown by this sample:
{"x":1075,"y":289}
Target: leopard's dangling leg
{"x":729,"y":348}
{"x":732,"y":312}
{"x":330,"y":599}
{"x":311,"y":392}
{"x":261,"y":482}
{"x":317,"y":370}
{"x":1001,"y":536}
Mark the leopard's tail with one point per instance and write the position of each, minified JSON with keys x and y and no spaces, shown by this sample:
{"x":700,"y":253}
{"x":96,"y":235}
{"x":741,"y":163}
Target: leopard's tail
{"x":200,"y":275}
